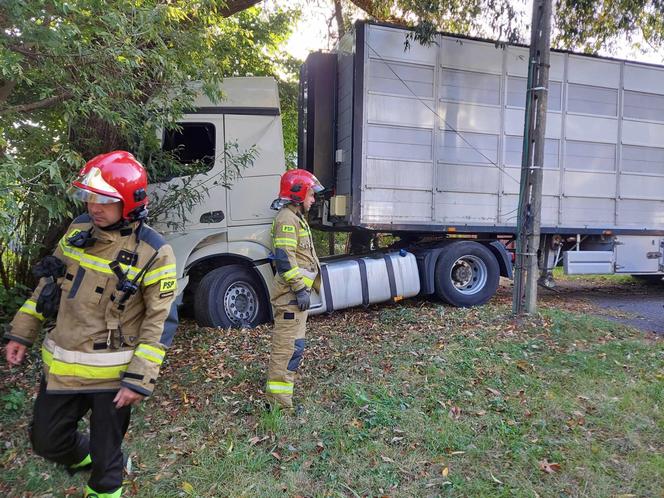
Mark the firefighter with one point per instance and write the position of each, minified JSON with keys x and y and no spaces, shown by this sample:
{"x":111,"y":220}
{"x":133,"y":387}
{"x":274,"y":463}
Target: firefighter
{"x":112,"y":283}
{"x":297,"y":272}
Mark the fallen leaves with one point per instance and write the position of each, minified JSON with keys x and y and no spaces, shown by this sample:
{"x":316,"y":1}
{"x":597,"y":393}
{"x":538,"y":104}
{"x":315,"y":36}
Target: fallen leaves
{"x":187,"y":487}
{"x":455,"y":412}
{"x":549,"y":467}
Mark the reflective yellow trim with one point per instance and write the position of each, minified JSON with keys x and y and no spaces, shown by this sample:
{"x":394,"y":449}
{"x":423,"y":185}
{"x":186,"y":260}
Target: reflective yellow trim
{"x":30,"y":308}
{"x":148,"y":357}
{"x":47,"y":357}
{"x":56,"y":367}
{"x":159,"y":270}
{"x":280,"y":387}
{"x":89,"y":493}
{"x":288,"y":228}
{"x":304,"y":232}
{"x":292,"y":273}
{"x":159,"y":352}
{"x":154,"y":276}
{"x":86,"y":461}
{"x":150,"y":353}
{"x":284,"y":242}
{"x":94,"y":262}
{"x":307,"y":281}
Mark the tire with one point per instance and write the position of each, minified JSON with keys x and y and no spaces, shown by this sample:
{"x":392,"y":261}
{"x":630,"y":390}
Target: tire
{"x":467,"y":274}
{"x":649,"y":279}
{"x":231,"y":297}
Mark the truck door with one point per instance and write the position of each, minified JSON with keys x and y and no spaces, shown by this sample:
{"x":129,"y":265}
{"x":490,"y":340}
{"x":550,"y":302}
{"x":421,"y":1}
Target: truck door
{"x":199,"y":146}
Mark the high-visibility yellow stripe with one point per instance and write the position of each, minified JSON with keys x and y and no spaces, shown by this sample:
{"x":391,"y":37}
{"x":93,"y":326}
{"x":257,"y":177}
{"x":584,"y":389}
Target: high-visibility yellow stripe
{"x":47,"y":357}
{"x":307,"y":281}
{"x":154,"y":276}
{"x":148,"y":357}
{"x":94,"y":262}
{"x":292,"y":273}
{"x":280,"y":387}
{"x":30,"y":308}
{"x":304,"y":232}
{"x":284,"y":242}
{"x":161,"y":269}
{"x":86,"y":461}
{"x":159,"y":352}
{"x":89,"y":492}
{"x":150,"y":353}
{"x":56,"y":367}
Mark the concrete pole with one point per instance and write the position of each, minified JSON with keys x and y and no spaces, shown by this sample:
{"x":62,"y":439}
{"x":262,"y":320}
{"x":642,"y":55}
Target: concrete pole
{"x":530,"y":199}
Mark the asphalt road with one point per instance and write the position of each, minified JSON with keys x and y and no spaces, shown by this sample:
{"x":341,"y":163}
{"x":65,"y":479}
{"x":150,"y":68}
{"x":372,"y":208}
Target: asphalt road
{"x":633,"y":302}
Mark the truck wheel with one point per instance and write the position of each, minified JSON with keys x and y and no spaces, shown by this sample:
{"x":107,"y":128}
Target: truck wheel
{"x":230,"y":296}
{"x":467,"y":274}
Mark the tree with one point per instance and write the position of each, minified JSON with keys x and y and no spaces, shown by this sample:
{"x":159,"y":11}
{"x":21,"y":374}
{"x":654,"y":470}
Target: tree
{"x":584,"y":25}
{"x":81,"y":77}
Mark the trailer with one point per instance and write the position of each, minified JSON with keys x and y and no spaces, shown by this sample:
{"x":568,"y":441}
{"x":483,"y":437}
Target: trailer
{"x":425,"y":144}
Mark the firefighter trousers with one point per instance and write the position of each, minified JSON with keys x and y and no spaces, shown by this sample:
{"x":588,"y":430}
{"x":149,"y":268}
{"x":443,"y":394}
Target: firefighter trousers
{"x":54,"y":434}
{"x":285,"y":354}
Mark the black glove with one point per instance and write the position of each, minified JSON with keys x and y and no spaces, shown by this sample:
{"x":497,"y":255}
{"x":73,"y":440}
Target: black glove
{"x":303,"y":299}
{"x":49,"y":299}
{"x":50,"y":266}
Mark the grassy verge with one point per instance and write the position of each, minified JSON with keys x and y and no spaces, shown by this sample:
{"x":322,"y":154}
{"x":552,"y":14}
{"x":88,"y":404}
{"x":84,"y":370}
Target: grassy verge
{"x":415,"y":399}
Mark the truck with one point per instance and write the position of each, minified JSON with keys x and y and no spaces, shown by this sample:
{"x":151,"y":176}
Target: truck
{"x":424,"y":143}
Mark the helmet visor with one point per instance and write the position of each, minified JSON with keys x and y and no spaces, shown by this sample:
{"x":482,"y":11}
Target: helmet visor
{"x":79,"y":194}
{"x":91,"y":187}
{"x":317,"y":187}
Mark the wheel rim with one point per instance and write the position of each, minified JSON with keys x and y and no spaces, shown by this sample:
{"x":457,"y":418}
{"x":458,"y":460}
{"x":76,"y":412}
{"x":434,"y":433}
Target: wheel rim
{"x":469,"y":274}
{"x":241,"y":303}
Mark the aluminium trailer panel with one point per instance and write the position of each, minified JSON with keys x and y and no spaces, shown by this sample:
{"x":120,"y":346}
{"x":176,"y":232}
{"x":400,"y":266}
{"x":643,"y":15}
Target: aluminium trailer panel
{"x":437,"y":134}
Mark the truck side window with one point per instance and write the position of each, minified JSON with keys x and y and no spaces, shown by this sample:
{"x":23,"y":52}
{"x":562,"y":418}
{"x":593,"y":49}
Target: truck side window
{"x":193,"y":145}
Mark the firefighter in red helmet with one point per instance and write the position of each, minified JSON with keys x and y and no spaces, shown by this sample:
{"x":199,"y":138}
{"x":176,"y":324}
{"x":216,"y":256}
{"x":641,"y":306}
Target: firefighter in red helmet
{"x":297,"y":272}
{"x":109,"y":292}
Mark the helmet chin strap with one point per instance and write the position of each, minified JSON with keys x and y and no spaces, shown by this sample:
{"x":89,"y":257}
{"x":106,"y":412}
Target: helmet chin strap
{"x":139,"y":214}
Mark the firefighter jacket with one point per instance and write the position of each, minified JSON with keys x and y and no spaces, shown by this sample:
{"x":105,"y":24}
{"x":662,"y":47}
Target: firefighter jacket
{"x":294,"y":255}
{"x":100,"y":342}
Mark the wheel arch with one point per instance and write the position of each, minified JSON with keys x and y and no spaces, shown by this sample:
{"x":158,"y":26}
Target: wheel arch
{"x":202,"y":266}
{"x":428,"y":258}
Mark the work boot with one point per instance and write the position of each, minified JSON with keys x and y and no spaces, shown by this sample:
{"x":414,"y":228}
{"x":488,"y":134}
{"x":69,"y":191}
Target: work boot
{"x":86,"y":465}
{"x":82,"y":466}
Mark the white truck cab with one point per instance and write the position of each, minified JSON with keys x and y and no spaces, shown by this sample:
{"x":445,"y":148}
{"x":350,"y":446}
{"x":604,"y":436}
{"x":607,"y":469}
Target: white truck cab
{"x":222,"y":245}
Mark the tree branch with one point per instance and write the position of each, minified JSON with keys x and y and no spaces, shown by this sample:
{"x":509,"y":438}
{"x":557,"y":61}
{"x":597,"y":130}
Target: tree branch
{"x":338,"y":14}
{"x":40,"y":104}
{"x":234,"y":7}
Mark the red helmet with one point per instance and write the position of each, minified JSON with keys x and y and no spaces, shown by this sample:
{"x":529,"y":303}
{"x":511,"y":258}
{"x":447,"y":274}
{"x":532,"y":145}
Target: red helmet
{"x":295,"y":183}
{"x":113,"y":177}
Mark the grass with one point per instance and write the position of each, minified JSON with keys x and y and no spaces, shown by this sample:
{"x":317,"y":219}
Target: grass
{"x":415,"y":399}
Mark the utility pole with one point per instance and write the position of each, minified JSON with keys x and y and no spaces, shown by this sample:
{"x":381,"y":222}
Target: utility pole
{"x":530,"y":192}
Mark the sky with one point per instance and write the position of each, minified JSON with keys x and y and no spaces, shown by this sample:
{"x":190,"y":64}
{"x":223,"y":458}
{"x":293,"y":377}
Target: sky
{"x":311,"y":32}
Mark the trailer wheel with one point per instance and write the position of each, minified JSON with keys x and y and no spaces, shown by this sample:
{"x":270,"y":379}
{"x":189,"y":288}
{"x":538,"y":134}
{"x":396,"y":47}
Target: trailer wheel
{"x":467,"y":274}
{"x":230,"y":296}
